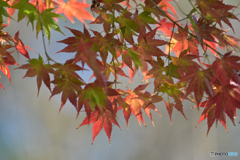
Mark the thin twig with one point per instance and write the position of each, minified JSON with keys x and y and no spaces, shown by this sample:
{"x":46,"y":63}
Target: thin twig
{"x":170,"y":49}
{"x":113,"y":31}
{"x":44,"y":44}
{"x":197,"y":10}
{"x":180,"y":8}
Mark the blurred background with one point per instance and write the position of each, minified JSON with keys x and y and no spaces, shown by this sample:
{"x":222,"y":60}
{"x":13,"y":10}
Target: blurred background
{"x":31,"y":127}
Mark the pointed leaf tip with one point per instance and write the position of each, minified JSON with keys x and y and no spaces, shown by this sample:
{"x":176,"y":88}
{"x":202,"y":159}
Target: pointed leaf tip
{"x":153,"y":124}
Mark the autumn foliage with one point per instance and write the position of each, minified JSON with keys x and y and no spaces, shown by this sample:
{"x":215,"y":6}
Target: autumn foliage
{"x":170,"y":51}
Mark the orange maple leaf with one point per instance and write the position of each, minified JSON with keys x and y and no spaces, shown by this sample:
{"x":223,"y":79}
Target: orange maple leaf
{"x":73,"y":8}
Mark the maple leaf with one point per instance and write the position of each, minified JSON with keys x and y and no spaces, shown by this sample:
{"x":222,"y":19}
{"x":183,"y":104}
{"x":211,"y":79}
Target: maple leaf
{"x":165,"y":6}
{"x":40,"y":4}
{"x":169,"y":107}
{"x":6,"y":71}
{"x":85,"y":53}
{"x":157,"y":72}
{"x":126,"y":59}
{"x":3,"y":12}
{"x":114,"y":68}
{"x":25,"y":8}
{"x":67,"y":81}
{"x":128,"y":27}
{"x":144,"y":69}
{"x":147,"y":45}
{"x":20,"y":46}
{"x":165,"y":27}
{"x":37,"y":68}
{"x":43,"y":5}
{"x":105,"y":44}
{"x":231,"y":41}
{"x":143,"y":20}
{"x":28,"y":9}
{"x":217,"y":11}
{"x":199,"y":81}
{"x":185,"y":60}
{"x":225,"y":69}
{"x":147,"y":48}
{"x":5,"y":57}
{"x":48,"y":22}
{"x":101,"y":120}
{"x":224,"y":102}
{"x":73,"y":8}
{"x":11,"y":10}
{"x":137,"y":100}
{"x":97,"y":97}
{"x":74,"y":43}
{"x":173,"y":91}
{"x":81,"y":44}
{"x":182,"y":41}
{"x":106,"y":19}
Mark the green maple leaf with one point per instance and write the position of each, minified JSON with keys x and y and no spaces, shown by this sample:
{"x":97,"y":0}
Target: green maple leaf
{"x":45,"y":19}
{"x":96,"y":97}
{"x":48,"y":22}
{"x":26,"y":9}
{"x":135,"y":58}
{"x":174,"y":92}
{"x":3,"y":11}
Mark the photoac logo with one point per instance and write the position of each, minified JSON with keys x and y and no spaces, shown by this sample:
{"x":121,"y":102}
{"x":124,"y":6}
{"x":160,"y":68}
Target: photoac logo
{"x":213,"y":154}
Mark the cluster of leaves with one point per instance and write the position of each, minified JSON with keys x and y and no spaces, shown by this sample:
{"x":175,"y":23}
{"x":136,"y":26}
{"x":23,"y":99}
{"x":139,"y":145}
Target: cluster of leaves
{"x":130,"y":34}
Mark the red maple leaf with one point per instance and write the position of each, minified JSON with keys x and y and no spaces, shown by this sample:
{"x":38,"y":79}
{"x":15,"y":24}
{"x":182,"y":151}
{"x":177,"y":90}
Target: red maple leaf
{"x":67,"y":81}
{"x":11,"y":10}
{"x":224,"y":102}
{"x":20,"y":46}
{"x":6,"y":59}
{"x":40,"y":4}
{"x":216,"y":10}
{"x":199,"y":81}
{"x":105,"y":19}
{"x":225,"y":69}
{"x":101,"y":120}
{"x":81,"y":44}
{"x":165,"y":6}
{"x":73,"y":8}
{"x":182,"y":41}
{"x":37,"y":68}
{"x":147,"y":48}
{"x":147,"y":45}
{"x":169,"y":107}
{"x":165,"y":26}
